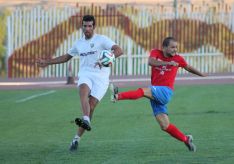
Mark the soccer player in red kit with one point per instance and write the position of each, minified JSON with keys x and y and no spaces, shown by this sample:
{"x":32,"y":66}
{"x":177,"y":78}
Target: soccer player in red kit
{"x":164,"y":66}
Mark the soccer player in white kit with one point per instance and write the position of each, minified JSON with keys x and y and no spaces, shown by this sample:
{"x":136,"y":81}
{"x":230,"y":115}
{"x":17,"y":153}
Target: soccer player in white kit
{"x":93,"y":78}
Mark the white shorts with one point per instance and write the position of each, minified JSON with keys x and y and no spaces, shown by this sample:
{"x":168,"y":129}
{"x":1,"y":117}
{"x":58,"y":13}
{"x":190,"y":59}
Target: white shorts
{"x":98,"y":85}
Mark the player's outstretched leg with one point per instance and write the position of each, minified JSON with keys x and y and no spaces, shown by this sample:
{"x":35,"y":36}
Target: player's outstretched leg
{"x":114,"y":91}
{"x":189,"y":143}
{"x":83,"y":123}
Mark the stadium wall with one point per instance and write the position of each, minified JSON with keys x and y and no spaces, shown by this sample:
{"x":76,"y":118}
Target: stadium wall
{"x":205,"y":37}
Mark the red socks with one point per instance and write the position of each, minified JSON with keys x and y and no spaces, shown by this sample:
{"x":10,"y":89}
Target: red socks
{"x":131,"y":94}
{"x":176,"y":133}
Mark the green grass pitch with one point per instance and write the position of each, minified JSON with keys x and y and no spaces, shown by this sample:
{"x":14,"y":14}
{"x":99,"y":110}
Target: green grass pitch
{"x":38,"y":130}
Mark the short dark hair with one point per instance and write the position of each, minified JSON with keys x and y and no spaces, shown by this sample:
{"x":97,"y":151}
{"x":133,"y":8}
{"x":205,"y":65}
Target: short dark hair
{"x":88,"y":18}
{"x":167,"y":40}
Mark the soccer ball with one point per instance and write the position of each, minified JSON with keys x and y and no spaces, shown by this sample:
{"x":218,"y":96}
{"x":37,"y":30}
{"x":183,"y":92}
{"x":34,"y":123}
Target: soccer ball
{"x":106,"y":58}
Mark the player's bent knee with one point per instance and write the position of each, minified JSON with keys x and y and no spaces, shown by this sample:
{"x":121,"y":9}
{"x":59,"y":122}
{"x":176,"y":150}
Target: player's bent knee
{"x":163,"y":127}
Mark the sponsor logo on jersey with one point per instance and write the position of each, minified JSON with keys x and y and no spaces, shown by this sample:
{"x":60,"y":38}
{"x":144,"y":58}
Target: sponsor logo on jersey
{"x":162,"y":69}
{"x":88,"y":53}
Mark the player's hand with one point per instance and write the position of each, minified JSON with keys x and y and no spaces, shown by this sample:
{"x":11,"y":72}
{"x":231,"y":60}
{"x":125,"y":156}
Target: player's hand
{"x":173,"y":63}
{"x":205,"y":74}
{"x":41,"y":63}
{"x":99,"y":64}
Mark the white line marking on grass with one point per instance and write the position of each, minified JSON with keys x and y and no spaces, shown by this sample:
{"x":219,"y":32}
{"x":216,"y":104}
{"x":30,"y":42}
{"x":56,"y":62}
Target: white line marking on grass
{"x":35,"y":96}
{"x":135,"y":79}
{"x":116,"y":80}
{"x":31,"y":83}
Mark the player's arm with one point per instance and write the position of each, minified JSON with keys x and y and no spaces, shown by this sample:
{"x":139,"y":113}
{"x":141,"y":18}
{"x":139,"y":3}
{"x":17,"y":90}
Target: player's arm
{"x":193,"y":70}
{"x":154,"y":62}
{"x":57,"y":60}
{"x":117,"y":50}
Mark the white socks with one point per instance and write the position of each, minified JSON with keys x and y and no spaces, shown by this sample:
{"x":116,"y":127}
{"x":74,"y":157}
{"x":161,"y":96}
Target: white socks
{"x":86,"y":118}
{"x":76,"y":138}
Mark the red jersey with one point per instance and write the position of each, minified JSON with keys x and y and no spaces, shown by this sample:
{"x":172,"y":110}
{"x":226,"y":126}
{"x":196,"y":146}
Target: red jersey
{"x":165,"y":75}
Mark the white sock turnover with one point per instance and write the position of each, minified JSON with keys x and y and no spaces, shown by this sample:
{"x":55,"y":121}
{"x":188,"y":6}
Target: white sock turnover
{"x":76,"y":138}
{"x":86,"y":118}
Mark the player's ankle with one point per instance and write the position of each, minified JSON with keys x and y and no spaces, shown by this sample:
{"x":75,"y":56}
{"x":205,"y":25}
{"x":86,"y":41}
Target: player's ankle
{"x":76,"y":138}
{"x":86,"y":118}
{"x":187,"y":140}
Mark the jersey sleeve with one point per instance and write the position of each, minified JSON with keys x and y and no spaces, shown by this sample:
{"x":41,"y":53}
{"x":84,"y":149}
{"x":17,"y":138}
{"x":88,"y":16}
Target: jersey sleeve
{"x":153,"y":53}
{"x":73,"y":50}
{"x":182,"y":62}
{"x":107,"y":43}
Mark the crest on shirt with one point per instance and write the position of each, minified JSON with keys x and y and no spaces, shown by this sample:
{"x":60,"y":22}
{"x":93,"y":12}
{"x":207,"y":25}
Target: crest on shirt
{"x":91,"y":45}
{"x":163,"y":69}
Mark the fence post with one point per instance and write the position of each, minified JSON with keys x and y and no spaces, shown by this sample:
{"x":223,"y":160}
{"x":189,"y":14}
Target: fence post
{"x":70,"y":78}
{"x":9,"y":43}
{"x":129,"y":57}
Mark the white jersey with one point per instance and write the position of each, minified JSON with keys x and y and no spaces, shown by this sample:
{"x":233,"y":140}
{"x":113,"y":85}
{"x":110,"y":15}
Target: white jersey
{"x":88,"y":50}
